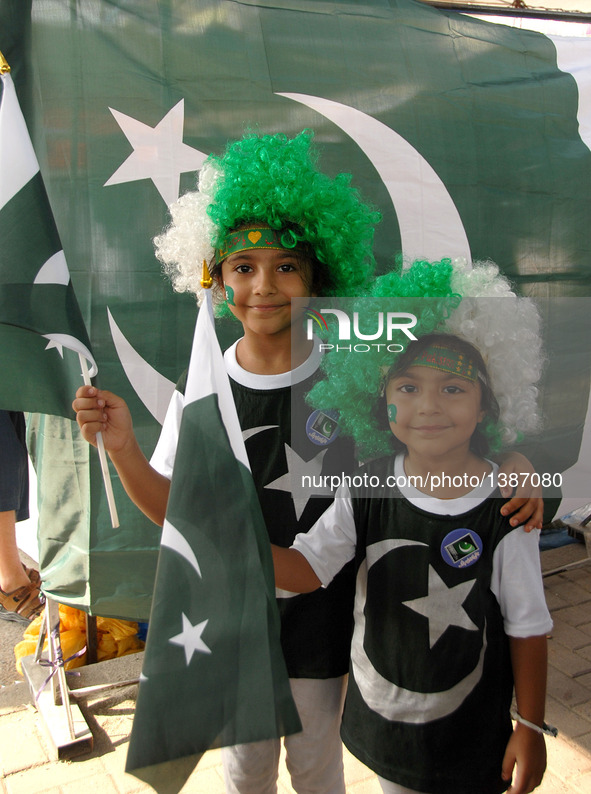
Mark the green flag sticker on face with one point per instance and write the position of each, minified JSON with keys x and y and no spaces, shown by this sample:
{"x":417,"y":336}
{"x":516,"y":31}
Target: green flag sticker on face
{"x":230,"y":295}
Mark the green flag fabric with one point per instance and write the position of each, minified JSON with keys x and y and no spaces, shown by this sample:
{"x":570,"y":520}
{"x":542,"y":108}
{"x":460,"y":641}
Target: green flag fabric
{"x":39,"y":315}
{"x":213,"y":673}
{"x":471,"y":138}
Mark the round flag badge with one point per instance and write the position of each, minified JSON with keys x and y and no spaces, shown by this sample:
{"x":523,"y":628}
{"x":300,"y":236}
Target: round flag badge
{"x":322,"y":427}
{"x":461,"y":548}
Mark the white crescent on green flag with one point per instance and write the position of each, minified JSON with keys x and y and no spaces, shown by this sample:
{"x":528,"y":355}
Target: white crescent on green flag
{"x":213,"y":673}
{"x":39,"y":316}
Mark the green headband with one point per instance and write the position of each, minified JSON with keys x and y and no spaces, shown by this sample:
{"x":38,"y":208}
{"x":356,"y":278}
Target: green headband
{"x":447,"y":360}
{"x":253,"y":237}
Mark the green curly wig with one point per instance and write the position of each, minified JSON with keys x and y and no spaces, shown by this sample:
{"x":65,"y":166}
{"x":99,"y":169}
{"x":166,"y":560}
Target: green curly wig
{"x":275,"y":180}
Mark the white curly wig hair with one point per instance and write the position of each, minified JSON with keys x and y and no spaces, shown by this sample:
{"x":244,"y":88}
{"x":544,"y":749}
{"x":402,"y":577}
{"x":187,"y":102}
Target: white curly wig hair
{"x":507,"y":330}
{"x":187,"y":241}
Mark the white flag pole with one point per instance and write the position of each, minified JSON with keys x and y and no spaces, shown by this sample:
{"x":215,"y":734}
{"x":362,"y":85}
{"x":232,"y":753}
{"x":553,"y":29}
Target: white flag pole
{"x":100,"y":445}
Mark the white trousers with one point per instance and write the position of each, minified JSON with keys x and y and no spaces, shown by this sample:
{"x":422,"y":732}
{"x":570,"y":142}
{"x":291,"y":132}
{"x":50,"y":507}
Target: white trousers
{"x":314,"y":757}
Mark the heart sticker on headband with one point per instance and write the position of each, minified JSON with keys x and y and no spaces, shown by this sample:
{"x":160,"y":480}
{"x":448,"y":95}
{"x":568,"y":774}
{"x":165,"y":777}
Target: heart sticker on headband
{"x":254,"y":237}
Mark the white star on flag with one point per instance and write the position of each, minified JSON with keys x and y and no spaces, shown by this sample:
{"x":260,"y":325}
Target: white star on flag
{"x":443,"y":606}
{"x":57,"y":345}
{"x":190,"y":638}
{"x":158,"y":153}
{"x":296,"y":468}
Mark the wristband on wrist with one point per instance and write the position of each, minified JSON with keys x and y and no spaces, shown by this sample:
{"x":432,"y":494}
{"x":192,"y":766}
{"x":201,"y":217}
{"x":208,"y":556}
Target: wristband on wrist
{"x":546,"y":729}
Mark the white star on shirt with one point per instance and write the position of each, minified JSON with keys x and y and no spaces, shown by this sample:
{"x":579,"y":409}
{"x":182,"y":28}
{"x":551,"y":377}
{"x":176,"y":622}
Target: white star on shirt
{"x":443,"y":606}
{"x":292,"y":480}
{"x":158,"y":153}
{"x":190,"y":638}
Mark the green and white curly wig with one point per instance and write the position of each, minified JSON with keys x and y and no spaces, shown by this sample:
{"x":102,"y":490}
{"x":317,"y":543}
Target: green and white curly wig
{"x":275,"y":180}
{"x":476,"y":304}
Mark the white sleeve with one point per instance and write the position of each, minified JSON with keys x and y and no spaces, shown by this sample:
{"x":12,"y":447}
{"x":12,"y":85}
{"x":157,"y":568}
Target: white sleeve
{"x":330,"y":543}
{"x":164,"y":454}
{"x":517,"y":584}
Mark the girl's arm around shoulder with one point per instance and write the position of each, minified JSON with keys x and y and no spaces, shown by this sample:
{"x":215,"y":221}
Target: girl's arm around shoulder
{"x":526,"y":506}
{"x":293,"y":572}
{"x":526,"y":749}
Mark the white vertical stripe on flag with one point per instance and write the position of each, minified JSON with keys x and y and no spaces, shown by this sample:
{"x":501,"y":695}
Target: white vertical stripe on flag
{"x":18,"y":163}
{"x":207,"y":375}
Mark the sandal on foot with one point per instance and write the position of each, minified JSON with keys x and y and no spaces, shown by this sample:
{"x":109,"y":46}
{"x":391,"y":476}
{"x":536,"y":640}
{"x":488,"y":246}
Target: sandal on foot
{"x":33,"y":575}
{"x":23,"y":604}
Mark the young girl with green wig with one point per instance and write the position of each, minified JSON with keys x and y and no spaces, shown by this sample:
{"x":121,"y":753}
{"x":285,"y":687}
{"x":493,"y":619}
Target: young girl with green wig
{"x":449,"y":609}
{"x":273,"y":227}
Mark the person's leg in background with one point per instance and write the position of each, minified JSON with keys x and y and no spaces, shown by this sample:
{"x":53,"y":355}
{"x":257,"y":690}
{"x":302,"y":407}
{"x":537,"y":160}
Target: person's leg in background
{"x":20,"y":596}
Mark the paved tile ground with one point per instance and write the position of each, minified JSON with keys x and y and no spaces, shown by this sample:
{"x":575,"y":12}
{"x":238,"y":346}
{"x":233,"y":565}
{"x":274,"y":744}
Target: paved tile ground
{"x":27,"y":765}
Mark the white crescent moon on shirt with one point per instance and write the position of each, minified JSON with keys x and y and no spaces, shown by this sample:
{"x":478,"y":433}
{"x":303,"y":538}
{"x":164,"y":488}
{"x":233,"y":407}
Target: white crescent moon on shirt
{"x":429,"y":222}
{"x":392,"y":702}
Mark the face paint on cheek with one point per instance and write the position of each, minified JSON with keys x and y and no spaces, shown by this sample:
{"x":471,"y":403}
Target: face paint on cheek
{"x":229,"y":295}
{"x":391,"y":413}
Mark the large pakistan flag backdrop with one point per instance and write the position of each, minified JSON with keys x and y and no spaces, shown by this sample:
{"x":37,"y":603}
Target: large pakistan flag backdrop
{"x":471,"y":138}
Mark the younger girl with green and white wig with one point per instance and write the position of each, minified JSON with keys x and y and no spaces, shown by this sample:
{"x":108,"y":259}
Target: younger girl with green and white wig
{"x":450,"y":615}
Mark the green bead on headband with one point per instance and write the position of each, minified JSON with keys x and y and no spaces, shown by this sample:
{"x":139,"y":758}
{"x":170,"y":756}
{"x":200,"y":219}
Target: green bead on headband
{"x":447,"y":360}
{"x":256,"y":237}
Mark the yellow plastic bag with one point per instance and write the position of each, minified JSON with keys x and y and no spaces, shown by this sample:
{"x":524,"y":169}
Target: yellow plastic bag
{"x":22,"y":649}
{"x":114,"y":638}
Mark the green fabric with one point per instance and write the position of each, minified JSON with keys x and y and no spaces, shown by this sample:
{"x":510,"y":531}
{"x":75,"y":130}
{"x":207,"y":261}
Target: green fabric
{"x":38,"y":319}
